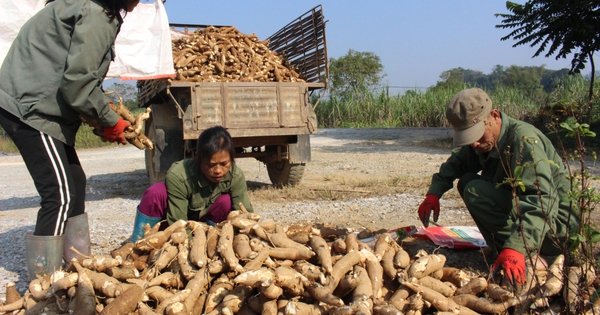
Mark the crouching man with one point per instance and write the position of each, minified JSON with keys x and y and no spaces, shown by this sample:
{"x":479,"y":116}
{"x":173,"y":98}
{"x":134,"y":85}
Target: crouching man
{"x":491,"y":147}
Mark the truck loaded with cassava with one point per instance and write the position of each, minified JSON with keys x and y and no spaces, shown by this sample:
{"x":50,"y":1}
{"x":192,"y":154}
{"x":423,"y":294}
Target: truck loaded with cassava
{"x":259,"y":90}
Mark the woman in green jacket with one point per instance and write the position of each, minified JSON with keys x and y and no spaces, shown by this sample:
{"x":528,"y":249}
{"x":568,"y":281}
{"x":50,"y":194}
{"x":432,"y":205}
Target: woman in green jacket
{"x":52,"y":75}
{"x":205,"y":188}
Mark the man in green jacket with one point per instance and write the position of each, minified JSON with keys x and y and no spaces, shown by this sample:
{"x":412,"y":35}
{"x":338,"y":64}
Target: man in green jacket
{"x":490,"y":149}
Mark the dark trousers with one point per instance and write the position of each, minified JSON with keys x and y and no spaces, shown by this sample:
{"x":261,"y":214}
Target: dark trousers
{"x":494,"y":211}
{"x":56,"y":173}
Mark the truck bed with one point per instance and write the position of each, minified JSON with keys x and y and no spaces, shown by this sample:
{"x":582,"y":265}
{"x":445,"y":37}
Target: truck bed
{"x":302,"y":42}
{"x":234,"y":105}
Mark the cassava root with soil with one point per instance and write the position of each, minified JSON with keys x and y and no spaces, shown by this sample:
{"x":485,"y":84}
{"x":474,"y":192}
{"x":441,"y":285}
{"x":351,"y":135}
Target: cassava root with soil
{"x":134,"y":134}
{"x":247,"y":266}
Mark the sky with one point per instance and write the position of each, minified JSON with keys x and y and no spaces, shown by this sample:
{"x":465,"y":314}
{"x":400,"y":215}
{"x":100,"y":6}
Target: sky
{"x":415,"y":40}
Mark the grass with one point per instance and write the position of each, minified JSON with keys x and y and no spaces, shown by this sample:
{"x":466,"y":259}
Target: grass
{"x":426,"y":109}
{"x":86,"y":139}
{"x":415,"y":109}
{"x":7,"y":146}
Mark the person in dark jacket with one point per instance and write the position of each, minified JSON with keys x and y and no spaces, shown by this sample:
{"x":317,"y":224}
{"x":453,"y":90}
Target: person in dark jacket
{"x":205,"y":188}
{"x":52,"y":75}
{"x":492,"y":147}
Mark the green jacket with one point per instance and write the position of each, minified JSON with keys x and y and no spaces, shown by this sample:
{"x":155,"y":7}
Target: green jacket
{"x":519,"y":144}
{"x":53,"y":71}
{"x":190,"y":194}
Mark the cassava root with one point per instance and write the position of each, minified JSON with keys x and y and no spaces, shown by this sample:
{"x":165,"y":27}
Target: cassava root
{"x":233,"y":269}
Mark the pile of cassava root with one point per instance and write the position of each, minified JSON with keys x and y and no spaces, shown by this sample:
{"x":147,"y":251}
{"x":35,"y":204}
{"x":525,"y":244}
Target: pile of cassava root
{"x":247,"y":266}
{"x":224,"y":54}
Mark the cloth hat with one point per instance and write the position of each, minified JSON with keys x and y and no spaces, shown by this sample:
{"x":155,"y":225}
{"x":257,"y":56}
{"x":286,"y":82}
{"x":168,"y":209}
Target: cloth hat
{"x":466,"y":113}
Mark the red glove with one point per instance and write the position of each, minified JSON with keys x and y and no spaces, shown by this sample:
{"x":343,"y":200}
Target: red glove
{"x":115,"y":133}
{"x":513,"y":263}
{"x":431,"y":202}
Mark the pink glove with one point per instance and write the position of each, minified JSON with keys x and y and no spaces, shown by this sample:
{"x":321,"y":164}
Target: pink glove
{"x":513,"y":263}
{"x":115,"y":133}
{"x":431,"y":202}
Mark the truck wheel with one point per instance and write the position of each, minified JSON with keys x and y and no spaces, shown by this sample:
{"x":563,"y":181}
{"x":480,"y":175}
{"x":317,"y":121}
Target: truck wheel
{"x":154,"y":175}
{"x":285,"y":173}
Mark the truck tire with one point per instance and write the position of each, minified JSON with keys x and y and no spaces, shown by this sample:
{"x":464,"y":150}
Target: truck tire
{"x":284,"y":173}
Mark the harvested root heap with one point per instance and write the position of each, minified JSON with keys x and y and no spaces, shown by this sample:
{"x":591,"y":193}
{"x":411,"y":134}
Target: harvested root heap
{"x":134,"y":133}
{"x":223,"y":54}
{"x":247,"y":266}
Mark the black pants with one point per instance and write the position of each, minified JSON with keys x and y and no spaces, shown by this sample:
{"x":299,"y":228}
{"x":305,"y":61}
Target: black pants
{"x":56,"y":173}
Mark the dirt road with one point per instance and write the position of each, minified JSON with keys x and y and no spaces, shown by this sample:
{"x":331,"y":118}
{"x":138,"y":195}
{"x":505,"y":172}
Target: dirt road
{"x":362,"y":178}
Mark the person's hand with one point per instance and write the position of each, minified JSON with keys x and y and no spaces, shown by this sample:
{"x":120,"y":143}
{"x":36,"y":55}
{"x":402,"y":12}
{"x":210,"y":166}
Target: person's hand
{"x":431,"y":202}
{"x":513,"y":263}
{"x":115,"y":133}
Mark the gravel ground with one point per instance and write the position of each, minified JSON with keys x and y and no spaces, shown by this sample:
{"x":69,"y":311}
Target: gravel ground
{"x":342,"y":160}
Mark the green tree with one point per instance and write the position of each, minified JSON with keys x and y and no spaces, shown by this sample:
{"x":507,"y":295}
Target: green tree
{"x":126,"y":91}
{"x":526,"y":79}
{"x":557,"y":27}
{"x":355,"y":73}
{"x":459,"y":76}
{"x":551,"y":78}
{"x":533,"y":82}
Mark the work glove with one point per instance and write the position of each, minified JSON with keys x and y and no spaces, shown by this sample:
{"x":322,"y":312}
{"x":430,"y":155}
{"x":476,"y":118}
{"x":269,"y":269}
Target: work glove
{"x":115,"y":133}
{"x":513,"y":263}
{"x":431,"y":202}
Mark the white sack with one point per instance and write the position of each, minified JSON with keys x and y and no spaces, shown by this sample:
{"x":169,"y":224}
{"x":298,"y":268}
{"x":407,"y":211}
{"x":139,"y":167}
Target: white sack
{"x":143,"y":47}
{"x":14,"y":14}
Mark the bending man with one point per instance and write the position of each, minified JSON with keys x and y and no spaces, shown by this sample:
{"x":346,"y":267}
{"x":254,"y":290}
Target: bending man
{"x":491,"y":147}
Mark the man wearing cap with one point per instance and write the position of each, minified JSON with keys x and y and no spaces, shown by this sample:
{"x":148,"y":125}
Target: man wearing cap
{"x":491,"y":147}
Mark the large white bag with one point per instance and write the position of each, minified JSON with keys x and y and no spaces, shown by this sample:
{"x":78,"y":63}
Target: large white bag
{"x":143,"y":47}
{"x":14,"y":14}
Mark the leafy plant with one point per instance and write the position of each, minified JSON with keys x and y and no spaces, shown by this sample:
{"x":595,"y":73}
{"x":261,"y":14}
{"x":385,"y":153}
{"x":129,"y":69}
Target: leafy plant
{"x":584,"y":240}
{"x":557,"y":27}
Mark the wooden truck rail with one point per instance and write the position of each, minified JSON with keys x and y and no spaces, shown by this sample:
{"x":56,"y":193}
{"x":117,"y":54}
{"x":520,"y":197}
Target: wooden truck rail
{"x":269,"y":121}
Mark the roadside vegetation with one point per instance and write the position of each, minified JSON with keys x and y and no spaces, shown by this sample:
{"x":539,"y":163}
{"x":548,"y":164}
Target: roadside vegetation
{"x":366,"y":107}
{"x":376,"y":107}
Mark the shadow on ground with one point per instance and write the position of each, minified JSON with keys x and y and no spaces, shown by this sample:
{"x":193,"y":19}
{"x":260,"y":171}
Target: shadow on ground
{"x":130,"y":185}
{"x":13,"y":257}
